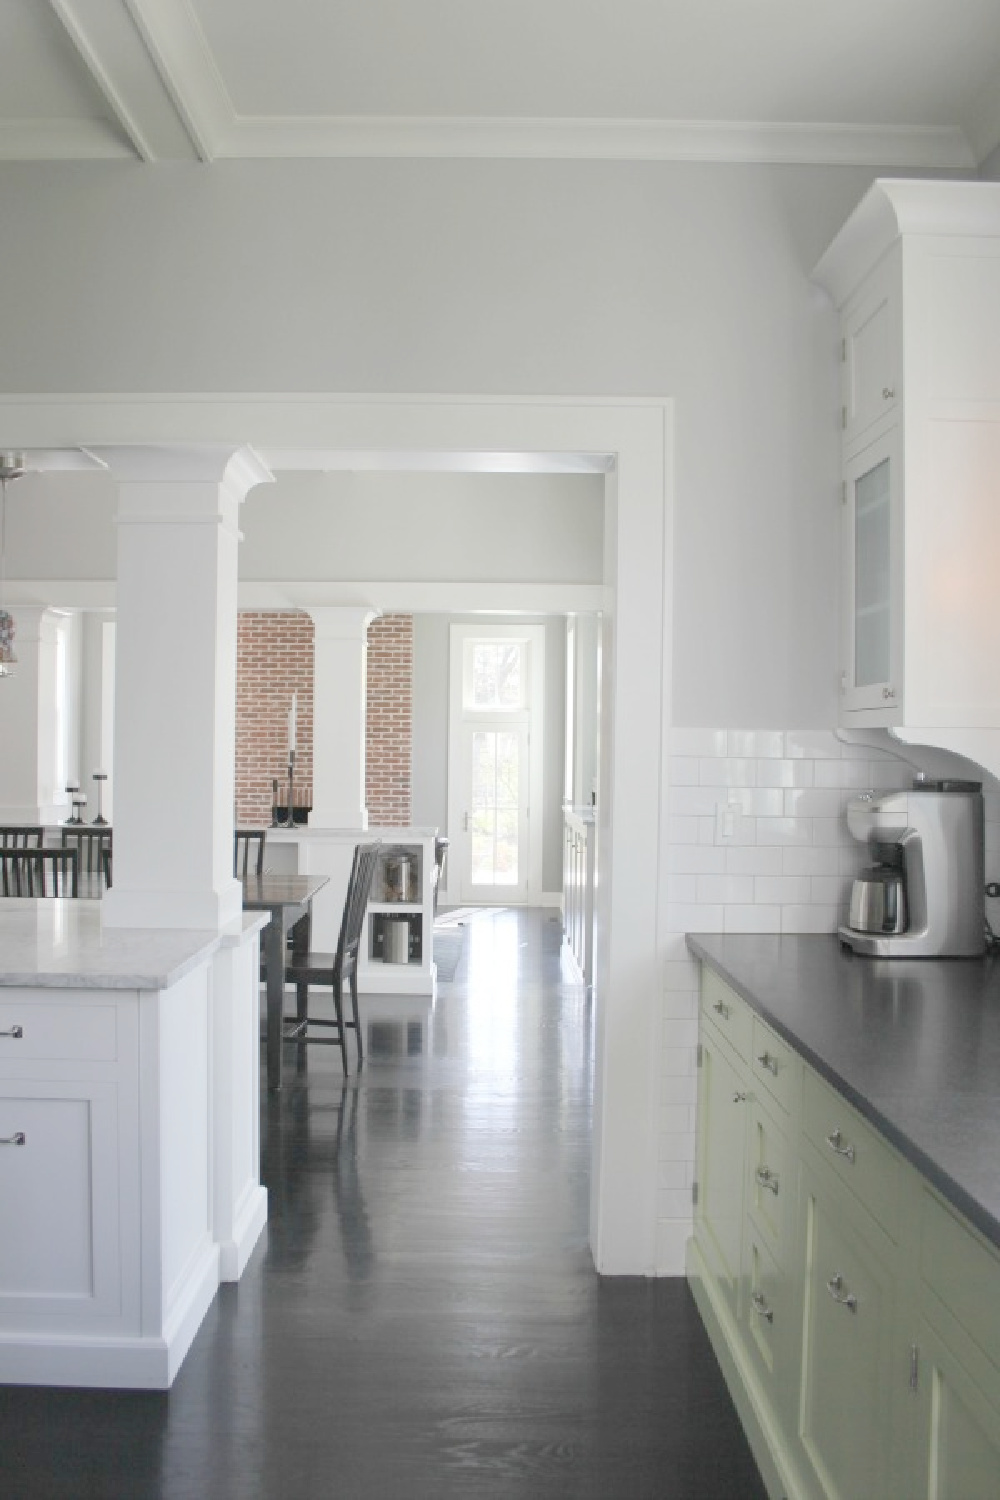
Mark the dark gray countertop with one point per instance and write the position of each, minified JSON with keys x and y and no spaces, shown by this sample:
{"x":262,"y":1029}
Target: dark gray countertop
{"x":914,"y":1044}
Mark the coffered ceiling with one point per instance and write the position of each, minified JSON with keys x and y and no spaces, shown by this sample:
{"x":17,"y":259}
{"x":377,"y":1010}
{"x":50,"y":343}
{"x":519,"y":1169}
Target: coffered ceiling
{"x":905,"y":83}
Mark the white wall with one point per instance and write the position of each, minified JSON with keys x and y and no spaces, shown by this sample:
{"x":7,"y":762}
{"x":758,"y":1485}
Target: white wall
{"x":684,"y":280}
{"x":431,"y":648}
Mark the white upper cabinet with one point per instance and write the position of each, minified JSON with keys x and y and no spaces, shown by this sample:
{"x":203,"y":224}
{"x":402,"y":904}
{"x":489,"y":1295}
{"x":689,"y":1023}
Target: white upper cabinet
{"x":915,"y":276}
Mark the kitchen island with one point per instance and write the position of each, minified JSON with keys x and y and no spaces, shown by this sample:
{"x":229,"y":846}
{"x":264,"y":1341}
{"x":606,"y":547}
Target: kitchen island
{"x":129,"y":1149}
{"x":847,"y":1213}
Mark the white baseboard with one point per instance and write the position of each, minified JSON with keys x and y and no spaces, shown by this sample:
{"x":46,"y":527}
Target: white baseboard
{"x":247,"y":1230}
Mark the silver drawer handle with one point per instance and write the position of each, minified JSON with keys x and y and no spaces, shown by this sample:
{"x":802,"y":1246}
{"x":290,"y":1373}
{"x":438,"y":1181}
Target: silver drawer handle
{"x":767,"y":1179}
{"x":721,"y":1009}
{"x":17,"y":1139}
{"x":835,"y":1286}
{"x":888,"y":392}
{"x":835,"y":1141}
{"x":15,"y":1031}
{"x":739,"y":1098}
{"x":770,"y":1063}
{"x":759,"y":1304}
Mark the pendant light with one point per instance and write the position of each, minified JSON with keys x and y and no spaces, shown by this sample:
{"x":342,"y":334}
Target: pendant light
{"x":11,"y":467}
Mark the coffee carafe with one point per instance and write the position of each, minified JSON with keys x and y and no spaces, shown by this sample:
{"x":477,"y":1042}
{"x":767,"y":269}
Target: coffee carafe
{"x":924,"y":896}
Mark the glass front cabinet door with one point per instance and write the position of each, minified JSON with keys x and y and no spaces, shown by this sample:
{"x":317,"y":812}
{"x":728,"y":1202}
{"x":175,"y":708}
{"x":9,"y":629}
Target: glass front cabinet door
{"x":872,"y":665}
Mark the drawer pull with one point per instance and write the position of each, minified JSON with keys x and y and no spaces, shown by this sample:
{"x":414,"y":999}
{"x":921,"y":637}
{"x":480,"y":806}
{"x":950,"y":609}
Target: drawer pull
{"x":759,"y":1304}
{"x":739,"y":1097}
{"x":17,"y":1139}
{"x":15,"y":1031}
{"x":721,"y":1009}
{"x":836,"y":1143}
{"x":835,"y":1286}
{"x":767,"y":1179}
{"x":888,"y":393}
{"x":770,"y":1063}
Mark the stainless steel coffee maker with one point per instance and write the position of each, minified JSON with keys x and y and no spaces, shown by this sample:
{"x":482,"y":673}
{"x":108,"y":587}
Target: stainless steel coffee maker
{"x":925,"y":895}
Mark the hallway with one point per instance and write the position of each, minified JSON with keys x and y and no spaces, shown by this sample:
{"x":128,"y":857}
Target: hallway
{"x":422,"y":1318}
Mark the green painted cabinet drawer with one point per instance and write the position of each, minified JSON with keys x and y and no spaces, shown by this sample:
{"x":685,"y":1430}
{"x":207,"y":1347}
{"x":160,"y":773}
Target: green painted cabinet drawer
{"x":770,"y":1177}
{"x":730,"y":1015}
{"x":964,"y":1273}
{"x":775,"y":1065}
{"x":859,"y":1156}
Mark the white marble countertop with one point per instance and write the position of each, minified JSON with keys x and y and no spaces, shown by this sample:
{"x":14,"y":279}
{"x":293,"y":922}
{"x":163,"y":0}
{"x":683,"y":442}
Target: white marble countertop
{"x":57,"y":944}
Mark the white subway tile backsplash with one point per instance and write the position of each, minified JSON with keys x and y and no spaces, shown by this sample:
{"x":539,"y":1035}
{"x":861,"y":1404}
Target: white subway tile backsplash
{"x":798,"y":919}
{"x":752,"y":919}
{"x":706,"y":829}
{"x":690,"y":917}
{"x":812,"y":744}
{"x":755,"y":861}
{"x":676,"y":1062}
{"x":693,"y":801}
{"x":811,"y":860}
{"x":676,"y":1119}
{"x":697,"y":741}
{"x":784,"y":773}
{"x":680,"y":970}
{"x":728,"y":772}
{"x":829,"y":890}
{"x":781,"y":890}
{"x":682,"y":831}
{"x":759,"y":742}
{"x":725,"y":888}
{"x":889,"y":776}
{"x":813,"y":804}
{"x":831,"y":832}
{"x":784,"y":831}
{"x":842,"y":773}
{"x":676,"y":1033}
{"x":675,"y":1174}
{"x":683,"y":770}
{"x":694,"y":859}
{"x":682,"y":887}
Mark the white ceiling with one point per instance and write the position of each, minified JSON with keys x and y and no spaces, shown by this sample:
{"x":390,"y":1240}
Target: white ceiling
{"x":892,"y":83}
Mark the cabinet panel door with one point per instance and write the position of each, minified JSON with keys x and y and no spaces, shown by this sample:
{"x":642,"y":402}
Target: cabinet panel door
{"x":872,"y":355}
{"x":722,"y":1106}
{"x":873,"y":580}
{"x":844,"y":1406}
{"x":955,"y":1427}
{"x":59,"y":1182}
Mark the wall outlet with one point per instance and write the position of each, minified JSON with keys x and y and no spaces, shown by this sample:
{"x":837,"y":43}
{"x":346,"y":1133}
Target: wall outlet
{"x":727,"y":816}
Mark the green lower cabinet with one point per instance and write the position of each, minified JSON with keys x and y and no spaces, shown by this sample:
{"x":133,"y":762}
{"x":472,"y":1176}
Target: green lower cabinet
{"x":722,"y":1117}
{"x":953,"y":1445}
{"x":846,"y":1378}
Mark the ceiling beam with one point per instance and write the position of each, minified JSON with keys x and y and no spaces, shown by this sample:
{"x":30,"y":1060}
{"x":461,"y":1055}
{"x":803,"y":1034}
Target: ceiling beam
{"x":187,"y":69}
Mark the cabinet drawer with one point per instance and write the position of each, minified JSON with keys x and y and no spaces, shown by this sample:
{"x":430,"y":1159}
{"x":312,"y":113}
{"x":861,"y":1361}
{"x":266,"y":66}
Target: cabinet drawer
{"x":963,"y":1273}
{"x":859,"y":1156}
{"x":770,"y":1177}
{"x":56,"y":1032}
{"x":731,"y":1015}
{"x":775,"y":1065}
{"x":769,"y":1304}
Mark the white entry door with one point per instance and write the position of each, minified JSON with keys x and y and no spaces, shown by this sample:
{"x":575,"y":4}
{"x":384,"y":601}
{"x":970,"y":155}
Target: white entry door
{"x":494,"y":791}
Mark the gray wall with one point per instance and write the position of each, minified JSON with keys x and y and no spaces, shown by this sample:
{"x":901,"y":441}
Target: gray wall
{"x":431,"y":656}
{"x":685,"y":280}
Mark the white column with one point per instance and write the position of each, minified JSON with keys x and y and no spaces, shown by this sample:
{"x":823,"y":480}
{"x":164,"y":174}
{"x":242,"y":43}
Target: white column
{"x":29,"y":727}
{"x":175,"y":685}
{"x":340,"y":690}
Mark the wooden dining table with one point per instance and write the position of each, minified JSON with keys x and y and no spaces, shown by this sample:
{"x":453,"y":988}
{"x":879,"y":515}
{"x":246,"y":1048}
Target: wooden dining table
{"x":288,"y":898}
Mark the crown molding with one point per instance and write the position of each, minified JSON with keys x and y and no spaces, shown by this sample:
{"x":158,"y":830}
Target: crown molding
{"x":912,"y":147}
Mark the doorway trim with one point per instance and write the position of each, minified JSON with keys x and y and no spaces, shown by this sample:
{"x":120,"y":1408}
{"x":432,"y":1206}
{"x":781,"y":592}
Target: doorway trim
{"x":633,"y":441}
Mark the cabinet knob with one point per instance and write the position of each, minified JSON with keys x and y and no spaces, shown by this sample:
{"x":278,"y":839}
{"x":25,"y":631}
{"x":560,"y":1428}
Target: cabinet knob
{"x":767,"y":1179}
{"x":835,"y":1286}
{"x":770,"y":1063}
{"x":15,"y":1031}
{"x":888,"y":692}
{"x":759,"y":1304}
{"x":17,"y":1139}
{"x":888,"y":392}
{"x":721,"y":1009}
{"x":837,"y":1144}
{"x":739,"y":1097}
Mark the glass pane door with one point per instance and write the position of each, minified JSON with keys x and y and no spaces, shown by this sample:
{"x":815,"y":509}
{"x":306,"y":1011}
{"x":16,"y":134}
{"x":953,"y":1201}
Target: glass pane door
{"x":871,"y":577}
{"x":495,"y":807}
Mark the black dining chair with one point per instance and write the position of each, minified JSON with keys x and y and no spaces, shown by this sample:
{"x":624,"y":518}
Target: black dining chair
{"x":21,"y":836}
{"x":331,"y":970}
{"x":39,"y":872}
{"x":248,"y":852}
{"x":93,"y":849}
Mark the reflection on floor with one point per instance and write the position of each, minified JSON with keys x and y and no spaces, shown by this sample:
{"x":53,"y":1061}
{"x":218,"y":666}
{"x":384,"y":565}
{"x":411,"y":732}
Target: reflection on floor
{"x":423,"y":1319}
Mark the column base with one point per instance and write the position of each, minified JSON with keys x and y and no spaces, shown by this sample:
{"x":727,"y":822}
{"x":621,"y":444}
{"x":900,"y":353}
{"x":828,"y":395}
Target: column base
{"x":197,"y":911}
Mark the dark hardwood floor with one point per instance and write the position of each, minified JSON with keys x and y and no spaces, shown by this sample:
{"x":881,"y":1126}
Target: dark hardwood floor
{"x":422,"y":1317}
